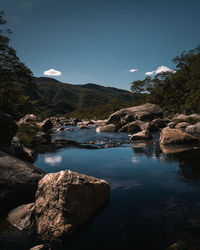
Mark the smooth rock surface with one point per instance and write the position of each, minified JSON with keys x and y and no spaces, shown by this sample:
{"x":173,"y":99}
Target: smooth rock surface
{"x":46,"y":125}
{"x":182,"y":125}
{"x":28,"y":118}
{"x":18,"y":181}
{"x":176,"y":136}
{"x":23,"y":217}
{"x":143,"y":112}
{"x":106,"y":128}
{"x":66,"y":200}
{"x":143,"y":135}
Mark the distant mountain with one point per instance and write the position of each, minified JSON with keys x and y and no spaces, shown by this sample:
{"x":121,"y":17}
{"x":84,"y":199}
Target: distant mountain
{"x":54,"y":97}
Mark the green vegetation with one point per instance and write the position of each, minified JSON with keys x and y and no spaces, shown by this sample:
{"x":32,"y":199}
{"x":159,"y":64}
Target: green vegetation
{"x":15,"y":78}
{"x":26,"y":132}
{"x":175,"y":92}
{"x":190,"y":120}
{"x":55,"y":97}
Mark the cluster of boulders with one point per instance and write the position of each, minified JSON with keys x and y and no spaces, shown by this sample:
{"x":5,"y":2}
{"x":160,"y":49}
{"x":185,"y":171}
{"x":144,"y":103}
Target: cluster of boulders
{"x":54,"y":204}
{"x":141,"y":121}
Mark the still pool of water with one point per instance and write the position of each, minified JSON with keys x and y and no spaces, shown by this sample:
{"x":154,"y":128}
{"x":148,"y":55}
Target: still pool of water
{"x":155,"y":197}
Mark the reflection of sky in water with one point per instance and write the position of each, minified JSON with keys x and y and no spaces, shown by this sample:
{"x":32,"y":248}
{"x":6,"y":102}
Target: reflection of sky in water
{"x":149,"y":190}
{"x":53,"y":160}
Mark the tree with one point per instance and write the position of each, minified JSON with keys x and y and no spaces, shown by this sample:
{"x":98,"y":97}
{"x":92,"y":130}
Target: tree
{"x":15,"y":78}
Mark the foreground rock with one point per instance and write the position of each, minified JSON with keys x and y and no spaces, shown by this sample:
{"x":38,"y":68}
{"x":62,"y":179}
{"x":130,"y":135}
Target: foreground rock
{"x":40,"y":247}
{"x":146,"y":112}
{"x":106,"y":128}
{"x":176,"y":136}
{"x":143,"y":135}
{"x":8,"y":129}
{"x":23,"y":217}
{"x":18,"y":181}
{"x":65,"y":201}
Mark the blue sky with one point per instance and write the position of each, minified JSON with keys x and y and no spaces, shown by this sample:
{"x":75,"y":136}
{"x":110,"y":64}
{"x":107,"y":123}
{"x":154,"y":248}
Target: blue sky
{"x":100,"y":41}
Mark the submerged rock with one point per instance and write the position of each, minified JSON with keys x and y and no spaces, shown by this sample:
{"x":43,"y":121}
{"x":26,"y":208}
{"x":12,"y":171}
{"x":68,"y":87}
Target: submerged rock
{"x":65,"y":201}
{"x":18,"y":181}
{"x":23,"y":217}
{"x":176,"y":136}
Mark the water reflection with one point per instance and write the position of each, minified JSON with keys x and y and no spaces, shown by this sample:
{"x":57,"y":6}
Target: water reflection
{"x":187,"y":156}
{"x":53,"y":160}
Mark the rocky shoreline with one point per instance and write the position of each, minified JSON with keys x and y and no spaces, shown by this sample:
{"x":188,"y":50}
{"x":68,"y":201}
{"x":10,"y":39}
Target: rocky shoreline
{"x":58,"y":205}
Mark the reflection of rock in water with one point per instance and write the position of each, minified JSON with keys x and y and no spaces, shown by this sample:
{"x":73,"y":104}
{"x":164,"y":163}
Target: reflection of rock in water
{"x":187,"y":157}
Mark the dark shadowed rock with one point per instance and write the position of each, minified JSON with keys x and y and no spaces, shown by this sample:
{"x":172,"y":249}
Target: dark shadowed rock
{"x":132,"y":127}
{"x":21,"y":151}
{"x":146,"y":112}
{"x":8,"y":129}
{"x":23,"y":217}
{"x":176,"y":136}
{"x":18,"y":181}
{"x":143,"y":135}
{"x":159,"y":123}
{"x":46,"y":125}
{"x":41,"y":138}
{"x":65,"y":201}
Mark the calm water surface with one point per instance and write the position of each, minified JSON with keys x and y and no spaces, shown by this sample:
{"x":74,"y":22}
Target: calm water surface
{"x":155,"y":197}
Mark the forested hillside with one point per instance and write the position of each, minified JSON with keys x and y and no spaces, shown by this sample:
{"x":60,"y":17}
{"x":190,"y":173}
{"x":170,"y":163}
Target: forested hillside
{"x":54,"y":97}
{"x":175,"y":92}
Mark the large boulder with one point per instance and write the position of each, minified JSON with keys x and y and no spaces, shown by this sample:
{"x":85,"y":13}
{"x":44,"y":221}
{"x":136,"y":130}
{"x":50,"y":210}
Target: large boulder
{"x":146,"y":112}
{"x":18,"y":181}
{"x":8,"y":129}
{"x":23,"y":217}
{"x":193,"y":129}
{"x":106,"y":128}
{"x":65,"y":201}
{"x":176,"y":136}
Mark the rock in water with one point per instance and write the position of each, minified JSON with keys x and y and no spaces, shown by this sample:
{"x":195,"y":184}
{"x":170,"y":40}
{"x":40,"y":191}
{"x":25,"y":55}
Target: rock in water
{"x":23,"y":217}
{"x":8,"y":129}
{"x":143,"y":135}
{"x":194,"y":129}
{"x":66,"y":200}
{"x":146,"y":112}
{"x":18,"y":182}
{"x":106,"y":128}
{"x":176,"y":136}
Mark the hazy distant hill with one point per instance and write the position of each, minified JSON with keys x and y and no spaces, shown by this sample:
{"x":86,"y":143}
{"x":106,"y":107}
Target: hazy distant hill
{"x":55,"y":97}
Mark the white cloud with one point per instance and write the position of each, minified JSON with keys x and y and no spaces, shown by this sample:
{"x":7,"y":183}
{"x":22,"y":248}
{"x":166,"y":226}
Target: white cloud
{"x":53,"y":160}
{"x":149,"y":73}
{"x":133,"y":70}
{"x":52,"y":72}
{"x":159,"y":70}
